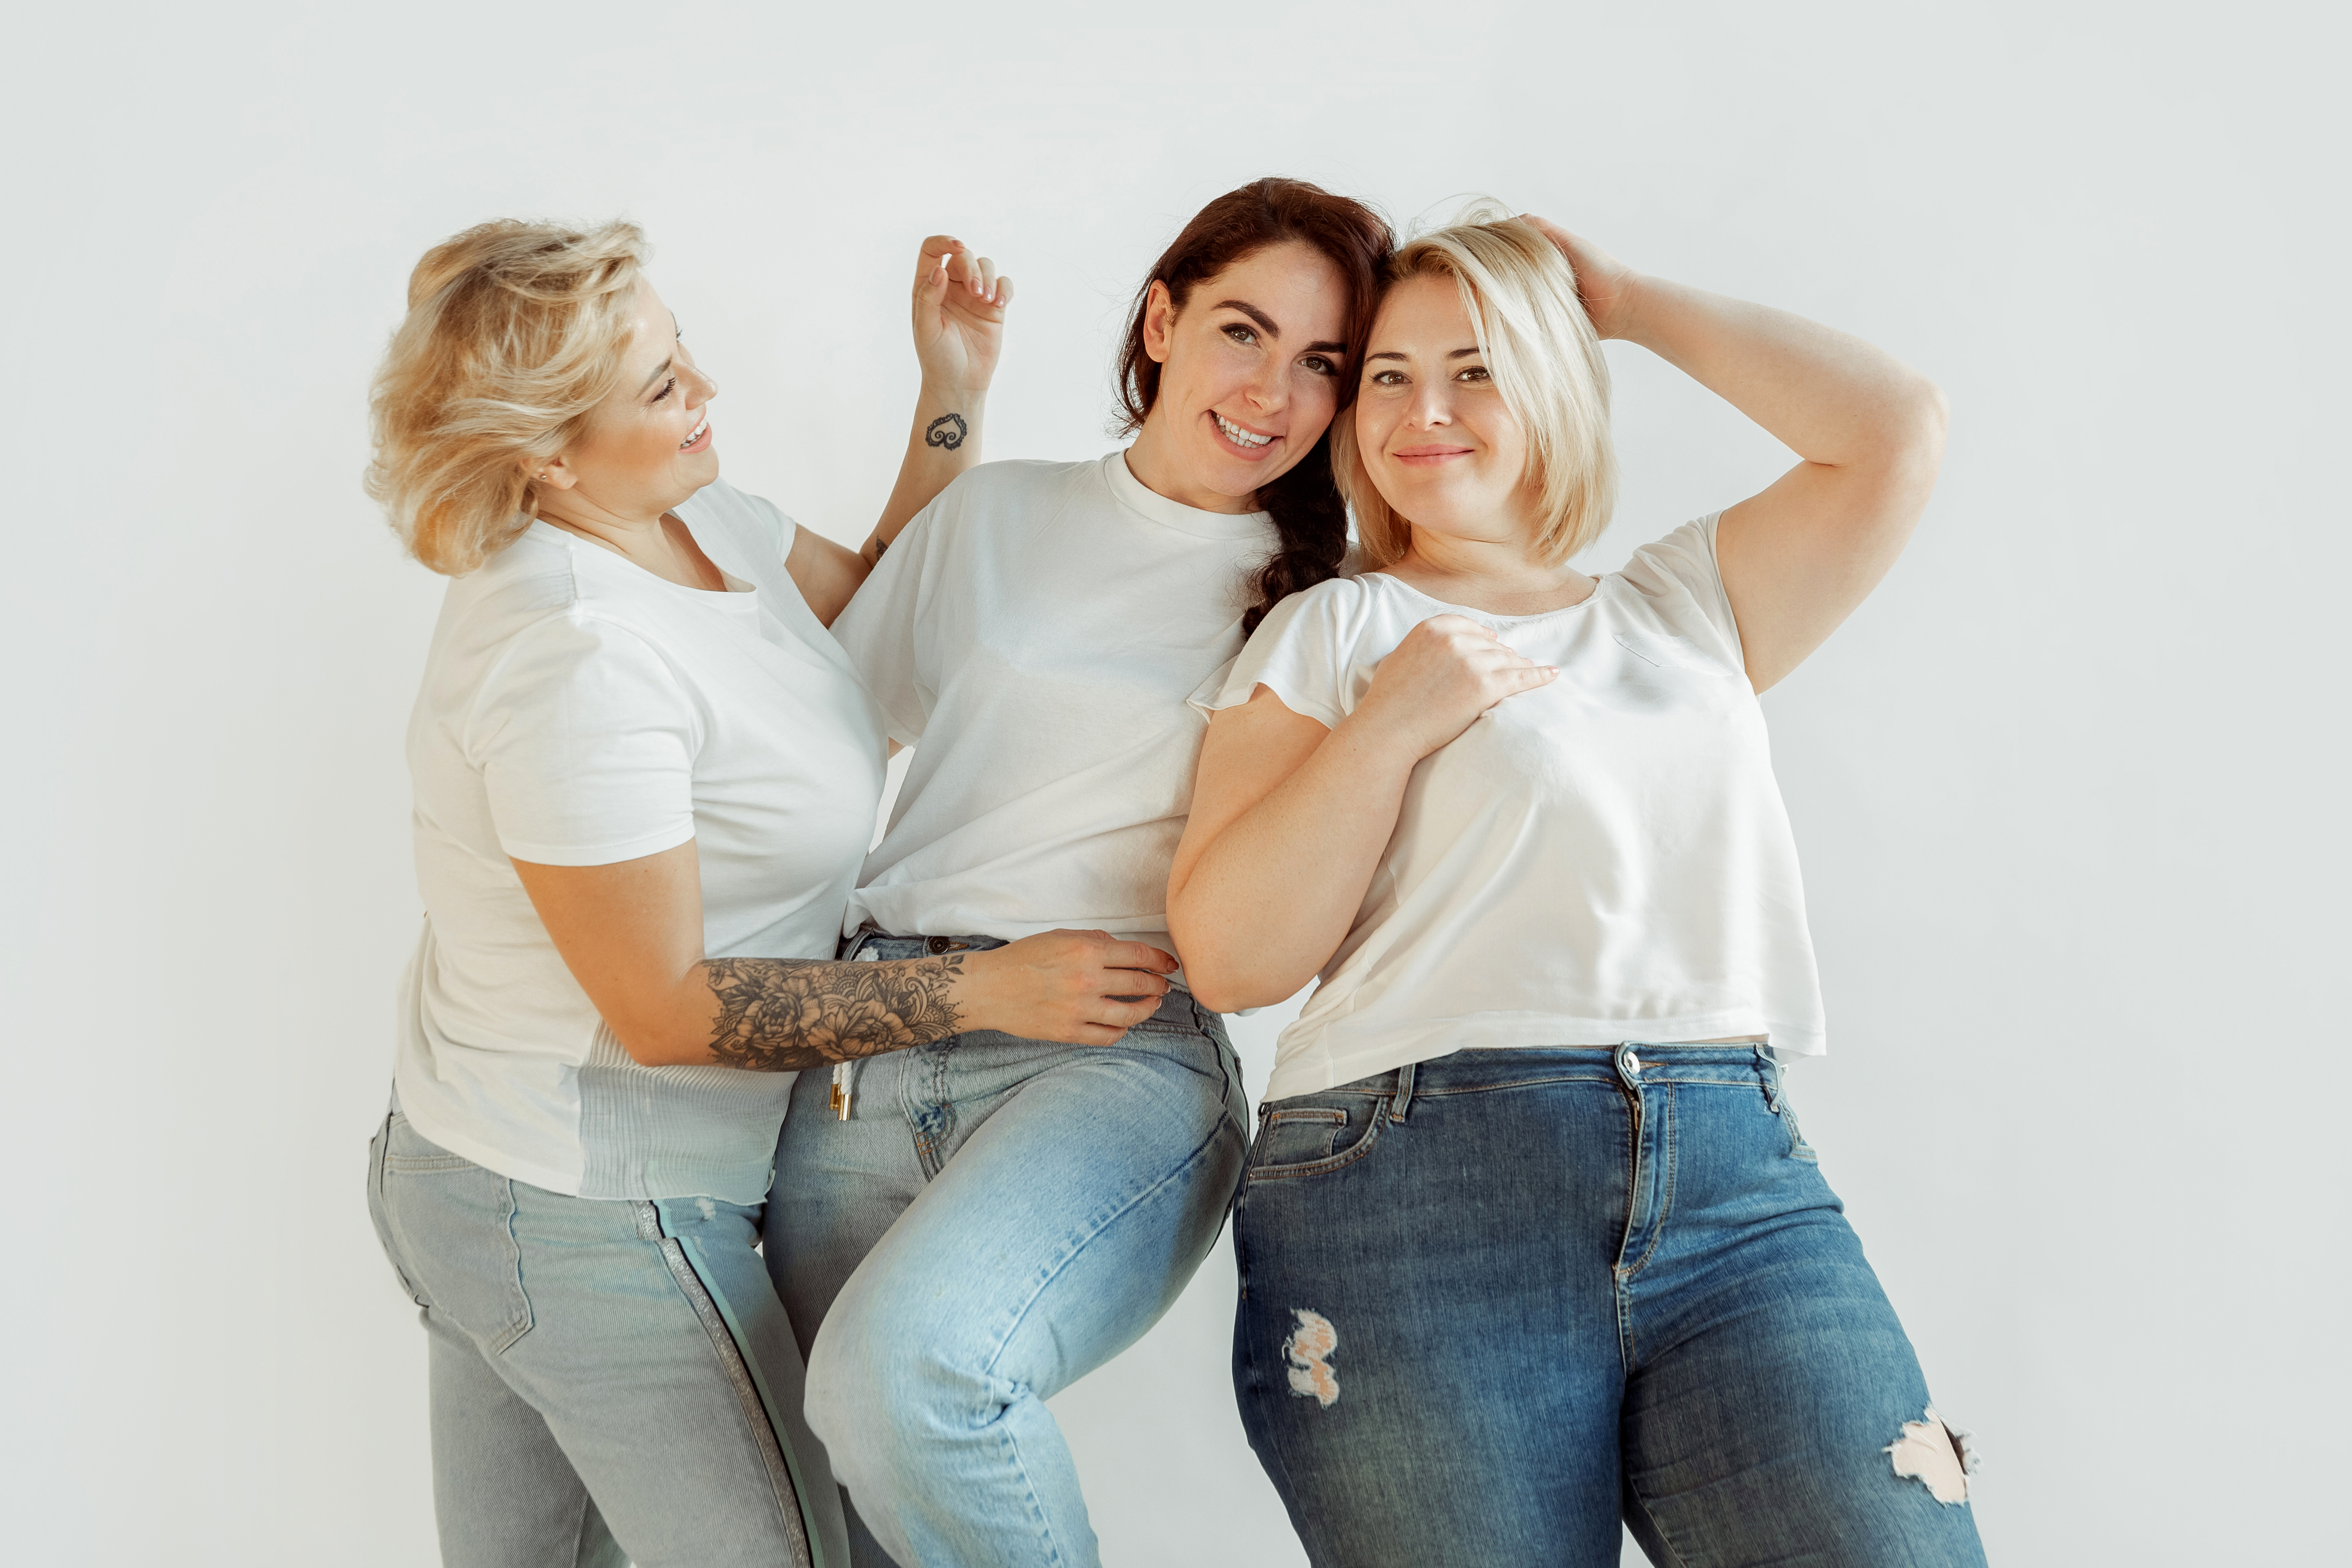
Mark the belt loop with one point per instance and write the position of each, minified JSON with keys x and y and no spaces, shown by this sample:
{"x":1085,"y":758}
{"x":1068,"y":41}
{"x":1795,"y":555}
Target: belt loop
{"x":1403,"y":1100}
{"x":1768,"y":1071}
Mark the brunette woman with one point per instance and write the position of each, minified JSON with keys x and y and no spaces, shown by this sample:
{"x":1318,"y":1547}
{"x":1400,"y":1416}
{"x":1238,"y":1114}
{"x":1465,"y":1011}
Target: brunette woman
{"x":980,"y":1220}
{"x":1529,"y":1238}
{"x":645,"y":775}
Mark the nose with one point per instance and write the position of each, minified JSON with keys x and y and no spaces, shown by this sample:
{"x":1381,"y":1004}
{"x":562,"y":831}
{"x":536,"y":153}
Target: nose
{"x":1431,"y":405}
{"x":1269,"y":388}
{"x":699,"y":388}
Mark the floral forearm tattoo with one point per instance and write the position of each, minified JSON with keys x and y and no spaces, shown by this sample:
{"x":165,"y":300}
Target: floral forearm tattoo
{"x":782,"y":1015}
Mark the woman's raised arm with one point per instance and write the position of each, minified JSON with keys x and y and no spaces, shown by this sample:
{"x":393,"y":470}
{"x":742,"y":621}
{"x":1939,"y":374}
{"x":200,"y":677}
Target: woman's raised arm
{"x":631,"y":933}
{"x":1798,"y":557}
{"x":959,"y":316}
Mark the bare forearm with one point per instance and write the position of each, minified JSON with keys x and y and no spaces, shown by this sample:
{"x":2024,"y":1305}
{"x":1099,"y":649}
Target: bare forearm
{"x":1828,"y":395}
{"x":1273,"y":895}
{"x":943,"y":441}
{"x":779,"y":1014}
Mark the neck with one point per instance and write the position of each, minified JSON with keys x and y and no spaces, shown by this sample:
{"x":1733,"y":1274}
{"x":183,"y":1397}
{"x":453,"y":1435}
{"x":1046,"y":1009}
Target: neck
{"x":615,"y":531}
{"x":669,"y":553}
{"x":1155,"y":468}
{"x":1502,"y":575}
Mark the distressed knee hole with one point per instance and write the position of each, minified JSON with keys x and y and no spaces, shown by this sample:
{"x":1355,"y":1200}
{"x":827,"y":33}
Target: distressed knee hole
{"x":1308,"y":1351}
{"x":1936,"y":1455}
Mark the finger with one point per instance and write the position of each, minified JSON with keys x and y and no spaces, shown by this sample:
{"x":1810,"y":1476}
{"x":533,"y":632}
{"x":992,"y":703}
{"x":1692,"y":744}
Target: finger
{"x":937,"y":249}
{"x":1124,"y":1015}
{"x":1095,"y":1035}
{"x":1565,"y":241}
{"x":1139,"y":955}
{"x":983,"y":281}
{"x":1004,"y":293}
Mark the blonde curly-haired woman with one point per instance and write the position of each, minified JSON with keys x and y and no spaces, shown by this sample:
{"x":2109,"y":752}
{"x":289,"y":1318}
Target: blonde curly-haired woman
{"x":644,"y":777}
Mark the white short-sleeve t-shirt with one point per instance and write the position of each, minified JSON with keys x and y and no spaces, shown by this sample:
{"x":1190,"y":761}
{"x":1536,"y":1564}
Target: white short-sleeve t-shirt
{"x":1604,"y":859}
{"x":1036,"y":633}
{"x":578,"y":711}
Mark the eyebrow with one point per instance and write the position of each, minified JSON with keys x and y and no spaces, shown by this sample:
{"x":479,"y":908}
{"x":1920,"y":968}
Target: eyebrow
{"x":1392,"y":353}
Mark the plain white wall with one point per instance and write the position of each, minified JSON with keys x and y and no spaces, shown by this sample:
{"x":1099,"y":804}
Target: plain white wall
{"x":2069,"y":789}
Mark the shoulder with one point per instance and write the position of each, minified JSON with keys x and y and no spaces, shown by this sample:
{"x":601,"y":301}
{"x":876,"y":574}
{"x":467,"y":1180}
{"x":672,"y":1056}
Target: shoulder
{"x":1680,"y":581}
{"x":1680,"y":561}
{"x":754,"y":524}
{"x":1020,"y":482}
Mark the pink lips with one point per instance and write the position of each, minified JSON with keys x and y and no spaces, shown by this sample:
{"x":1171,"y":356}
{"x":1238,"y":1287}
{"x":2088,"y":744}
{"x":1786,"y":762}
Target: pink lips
{"x":1429,"y":457}
{"x":700,"y":442}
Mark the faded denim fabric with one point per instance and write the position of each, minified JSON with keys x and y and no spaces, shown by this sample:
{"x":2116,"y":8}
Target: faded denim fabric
{"x":612,"y":1381}
{"x":1493,"y":1302}
{"x":997,"y":1218}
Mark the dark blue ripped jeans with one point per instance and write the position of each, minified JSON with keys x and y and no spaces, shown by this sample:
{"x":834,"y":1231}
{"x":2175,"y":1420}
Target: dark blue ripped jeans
{"x":1495,"y":1302}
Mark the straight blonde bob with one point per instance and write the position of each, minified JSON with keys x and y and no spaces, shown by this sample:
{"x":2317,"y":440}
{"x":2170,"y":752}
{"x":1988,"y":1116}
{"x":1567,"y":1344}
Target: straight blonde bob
{"x":515,"y":332}
{"x":1520,"y":293}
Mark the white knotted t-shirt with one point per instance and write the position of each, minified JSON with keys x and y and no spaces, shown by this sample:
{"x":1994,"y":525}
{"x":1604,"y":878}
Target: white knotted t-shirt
{"x":1604,"y":859}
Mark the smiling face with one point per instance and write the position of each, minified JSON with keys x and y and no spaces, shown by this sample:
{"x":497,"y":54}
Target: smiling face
{"x":1249,"y":378}
{"x":1436,"y":438}
{"x":648,"y":446}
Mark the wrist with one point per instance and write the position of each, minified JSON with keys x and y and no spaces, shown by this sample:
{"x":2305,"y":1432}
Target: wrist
{"x":1628,"y":312}
{"x":974,"y":986}
{"x":1379,"y":743}
{"x":963,"y":396}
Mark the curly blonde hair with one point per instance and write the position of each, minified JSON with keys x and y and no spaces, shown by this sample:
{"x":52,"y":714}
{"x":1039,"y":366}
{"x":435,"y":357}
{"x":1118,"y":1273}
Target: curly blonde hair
{"x":515,"y":330}
{"x":1539,"y":346}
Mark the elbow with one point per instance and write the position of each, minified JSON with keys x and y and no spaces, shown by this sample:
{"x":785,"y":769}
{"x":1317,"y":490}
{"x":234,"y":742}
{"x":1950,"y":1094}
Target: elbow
{"x":659,"y":1043}
{"x":1223,"y":986}
{"x":1927,"y":419}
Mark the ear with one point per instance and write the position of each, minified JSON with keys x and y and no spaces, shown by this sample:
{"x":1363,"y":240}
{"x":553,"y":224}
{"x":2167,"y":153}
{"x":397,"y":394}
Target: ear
{"x":553,"y":475}
{"x":1159,"y":321}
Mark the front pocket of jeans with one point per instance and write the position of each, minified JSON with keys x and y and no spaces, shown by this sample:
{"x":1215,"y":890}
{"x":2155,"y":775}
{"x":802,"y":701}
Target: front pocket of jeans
{"x":1309,"y":1140}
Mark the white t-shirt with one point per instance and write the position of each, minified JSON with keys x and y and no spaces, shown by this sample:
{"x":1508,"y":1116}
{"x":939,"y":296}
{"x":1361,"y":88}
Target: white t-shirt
{"x":1604,"y":859}
{"x":1038,"y":629}
{"x":579,"y":710}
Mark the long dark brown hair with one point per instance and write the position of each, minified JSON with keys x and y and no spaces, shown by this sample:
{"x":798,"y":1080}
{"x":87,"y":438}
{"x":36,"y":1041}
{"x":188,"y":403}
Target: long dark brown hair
{"x":1308,"y":515}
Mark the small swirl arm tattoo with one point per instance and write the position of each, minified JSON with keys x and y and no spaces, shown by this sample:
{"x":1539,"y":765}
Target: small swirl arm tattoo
{"x":782,"y":1015}
{"x":948,"y":430}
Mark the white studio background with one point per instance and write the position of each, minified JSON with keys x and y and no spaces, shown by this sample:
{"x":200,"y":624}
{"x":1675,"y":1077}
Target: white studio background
{"x":2069,"y":789}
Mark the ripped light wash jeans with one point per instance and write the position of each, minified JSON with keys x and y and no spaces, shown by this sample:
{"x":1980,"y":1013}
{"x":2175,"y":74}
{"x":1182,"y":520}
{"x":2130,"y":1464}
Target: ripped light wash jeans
{"x":1494,"y":1302}
{"x":997,"y":1218}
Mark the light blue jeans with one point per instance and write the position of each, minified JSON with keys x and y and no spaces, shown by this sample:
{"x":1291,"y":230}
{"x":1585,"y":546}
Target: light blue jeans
{"x":997,"y":1218}
{"x":612,"y":1381}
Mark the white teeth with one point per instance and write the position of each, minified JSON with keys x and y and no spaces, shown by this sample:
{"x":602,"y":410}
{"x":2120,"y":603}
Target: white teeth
{"x":1235,"y":434}
{"x":698,"y":430}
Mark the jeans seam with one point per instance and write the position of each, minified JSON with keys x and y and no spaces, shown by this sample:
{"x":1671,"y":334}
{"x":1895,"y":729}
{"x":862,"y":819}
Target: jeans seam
{"x":765,"y":1439}
{"x":1634,"y":1491}
{"x":1665,"y":1185}
{"x":521,"y":1323}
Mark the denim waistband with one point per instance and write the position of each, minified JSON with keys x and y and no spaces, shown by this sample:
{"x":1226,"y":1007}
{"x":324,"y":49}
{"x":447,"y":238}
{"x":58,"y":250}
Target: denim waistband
{"x":1635,"y":1062}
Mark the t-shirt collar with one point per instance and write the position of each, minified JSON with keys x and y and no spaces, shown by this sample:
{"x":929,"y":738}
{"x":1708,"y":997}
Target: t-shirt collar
{"x":1138,"y":497}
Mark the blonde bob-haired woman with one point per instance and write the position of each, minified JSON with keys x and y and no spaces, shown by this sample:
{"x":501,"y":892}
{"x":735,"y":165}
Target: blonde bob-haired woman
{"x":644,"y":777}
{"x":1529,"y":1237}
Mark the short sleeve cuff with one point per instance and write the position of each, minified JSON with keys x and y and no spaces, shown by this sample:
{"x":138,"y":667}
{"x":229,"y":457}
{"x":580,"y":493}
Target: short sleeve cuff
{"x":610,"y":854}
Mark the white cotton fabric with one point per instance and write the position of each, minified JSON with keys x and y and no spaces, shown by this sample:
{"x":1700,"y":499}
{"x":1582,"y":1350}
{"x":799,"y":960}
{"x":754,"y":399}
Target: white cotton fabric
{"x":578,"y":711}
{"x":1605,"y":858}
{"x":1036,"y":633}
